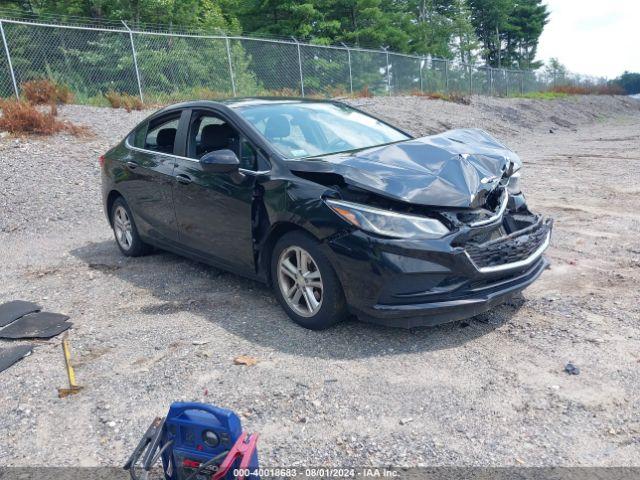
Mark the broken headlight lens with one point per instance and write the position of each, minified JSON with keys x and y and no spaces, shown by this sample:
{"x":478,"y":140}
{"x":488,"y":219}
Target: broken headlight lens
{"x":387,"y":223}
{"x":513,"y":187}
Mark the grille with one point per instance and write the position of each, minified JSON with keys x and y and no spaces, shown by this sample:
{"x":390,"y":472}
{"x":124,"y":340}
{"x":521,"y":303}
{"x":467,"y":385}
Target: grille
{"x":491,"y":205}
{"x":510,"y":249}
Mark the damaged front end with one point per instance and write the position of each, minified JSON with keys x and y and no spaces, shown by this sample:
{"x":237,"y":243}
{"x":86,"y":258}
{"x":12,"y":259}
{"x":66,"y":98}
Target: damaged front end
{"x":436,"y":229}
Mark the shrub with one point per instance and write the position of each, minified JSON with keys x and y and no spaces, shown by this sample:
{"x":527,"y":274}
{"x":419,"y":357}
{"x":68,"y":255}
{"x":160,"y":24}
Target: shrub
{"x":364,"y":93}
{"x":283,"y":92}
{"x":63,"y":94}
{"x":338,"y":92}
{"x":153,"y":99}
{"x":46,"y":92}
{"x":19,"y":116}
{"x":124,"y":100}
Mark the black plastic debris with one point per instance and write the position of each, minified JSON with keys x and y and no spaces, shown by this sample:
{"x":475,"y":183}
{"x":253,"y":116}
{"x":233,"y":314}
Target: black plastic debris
{"x":571,"y":369}
{"x":9,"y":356}
{"x":11,"y":311}
{"x":36,"y":325}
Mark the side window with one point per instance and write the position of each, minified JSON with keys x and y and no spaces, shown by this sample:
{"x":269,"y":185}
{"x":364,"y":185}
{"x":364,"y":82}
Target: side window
{"x":209,"y":132}
{"x":136,"y":139}
{"x":248,"y":155}
{"x":161,"y":135}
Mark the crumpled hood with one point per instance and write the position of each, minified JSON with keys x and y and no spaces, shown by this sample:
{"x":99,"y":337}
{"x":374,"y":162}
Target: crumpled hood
{"x":457,"y":168}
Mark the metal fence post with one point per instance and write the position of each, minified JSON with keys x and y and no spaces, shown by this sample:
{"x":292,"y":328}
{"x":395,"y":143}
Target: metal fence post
{"x":446,"y":76}
{"x":6,"y":49}
{"x":490,"y":81}
{"x":231,"y":76}
{"x":506,"y":81}
{"x":470,"y":80}
{"x":350,"y":76}
{"x":135,"y":60}
{"x":300,"y":66}
{"x":422,"y":63}
{"x":388,"y":69}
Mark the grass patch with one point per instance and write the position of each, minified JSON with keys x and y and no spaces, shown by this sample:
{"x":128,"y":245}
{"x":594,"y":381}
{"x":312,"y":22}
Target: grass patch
{"x":564,"y":91}
{"x":543,"y":95}
{"x":588,"y":89}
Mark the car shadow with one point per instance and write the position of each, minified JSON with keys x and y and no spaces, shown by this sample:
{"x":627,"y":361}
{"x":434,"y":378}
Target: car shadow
{"x":249,"y":309}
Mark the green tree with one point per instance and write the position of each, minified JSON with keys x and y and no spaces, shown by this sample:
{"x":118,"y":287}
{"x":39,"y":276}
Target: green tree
{"x":525,"y":24}
{"x":630,"y":82}
{"x":465,"y":44}
{"x":192,"y":14}
{"x":509,"y":30}
{"x":431,"y":27}
{"x":490,"y":20}
{"x":555,"y":68}
{"x":504,"y":33}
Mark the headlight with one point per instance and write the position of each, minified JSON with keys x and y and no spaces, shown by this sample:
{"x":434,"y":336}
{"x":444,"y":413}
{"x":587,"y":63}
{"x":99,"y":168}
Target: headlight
{"x":389,"y":224}
{"x":513,"y":187}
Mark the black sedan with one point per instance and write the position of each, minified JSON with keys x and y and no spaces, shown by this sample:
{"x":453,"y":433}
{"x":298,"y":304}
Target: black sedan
{"x":341,"y":212}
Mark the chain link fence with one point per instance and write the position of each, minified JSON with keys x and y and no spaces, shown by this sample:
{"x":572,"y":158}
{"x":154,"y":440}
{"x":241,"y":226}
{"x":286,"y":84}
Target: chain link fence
{"x":162,"y":67}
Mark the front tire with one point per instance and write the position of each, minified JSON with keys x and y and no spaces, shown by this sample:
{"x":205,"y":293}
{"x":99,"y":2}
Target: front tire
{"x":305,"y":283}
{"x":125,"y":231}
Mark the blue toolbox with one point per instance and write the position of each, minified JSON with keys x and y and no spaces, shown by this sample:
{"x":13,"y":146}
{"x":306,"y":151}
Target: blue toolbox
{"x":197,"y":441}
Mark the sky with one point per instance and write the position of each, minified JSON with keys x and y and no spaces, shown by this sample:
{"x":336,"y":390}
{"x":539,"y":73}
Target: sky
{"x":593,"y":37}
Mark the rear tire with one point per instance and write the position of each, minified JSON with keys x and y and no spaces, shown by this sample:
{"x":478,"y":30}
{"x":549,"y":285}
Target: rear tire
{"x":305,"y":283}
{"x":125,"y":230}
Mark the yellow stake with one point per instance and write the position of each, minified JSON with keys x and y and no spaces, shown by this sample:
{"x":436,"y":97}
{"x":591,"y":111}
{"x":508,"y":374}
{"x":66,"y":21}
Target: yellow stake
{"x":73,"y":387}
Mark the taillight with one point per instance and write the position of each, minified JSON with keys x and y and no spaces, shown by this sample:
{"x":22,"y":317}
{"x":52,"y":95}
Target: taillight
{"x":101,"y":160}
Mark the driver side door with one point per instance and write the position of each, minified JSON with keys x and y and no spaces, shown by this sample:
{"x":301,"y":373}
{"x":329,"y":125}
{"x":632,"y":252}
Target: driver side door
{"x":213,"y":210}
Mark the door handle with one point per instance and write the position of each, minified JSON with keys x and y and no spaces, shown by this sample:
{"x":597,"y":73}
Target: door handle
{"x":183,"y":179}
{"x":132,"y":165}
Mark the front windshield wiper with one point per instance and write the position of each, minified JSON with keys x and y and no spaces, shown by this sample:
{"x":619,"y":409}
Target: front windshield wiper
{"x":354,"y":150}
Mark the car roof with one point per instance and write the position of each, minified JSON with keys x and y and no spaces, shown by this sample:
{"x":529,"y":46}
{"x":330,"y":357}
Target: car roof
{"x":238,"y":103}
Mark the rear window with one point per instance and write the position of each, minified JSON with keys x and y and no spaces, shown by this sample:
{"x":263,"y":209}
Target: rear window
{"x":161,"y":135}
{"x":136,"y":139}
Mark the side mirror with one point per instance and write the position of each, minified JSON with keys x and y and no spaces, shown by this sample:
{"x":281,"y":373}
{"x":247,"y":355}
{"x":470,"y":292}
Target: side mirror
{"x":220,"y":161}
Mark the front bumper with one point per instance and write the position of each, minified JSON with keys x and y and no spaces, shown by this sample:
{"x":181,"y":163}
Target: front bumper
{"x":409,"y":283}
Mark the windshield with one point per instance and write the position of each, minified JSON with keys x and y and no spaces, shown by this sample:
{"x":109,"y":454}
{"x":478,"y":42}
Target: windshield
{"x":299,"y":130}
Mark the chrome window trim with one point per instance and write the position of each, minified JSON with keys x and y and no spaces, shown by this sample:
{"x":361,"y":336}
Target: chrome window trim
{"x":143,"y":150}
{"x":497,"y":215}
{"x":520,"y":263}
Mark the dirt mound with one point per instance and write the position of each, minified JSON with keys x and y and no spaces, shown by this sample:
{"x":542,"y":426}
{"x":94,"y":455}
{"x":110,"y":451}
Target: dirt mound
{"x":504,"y":117}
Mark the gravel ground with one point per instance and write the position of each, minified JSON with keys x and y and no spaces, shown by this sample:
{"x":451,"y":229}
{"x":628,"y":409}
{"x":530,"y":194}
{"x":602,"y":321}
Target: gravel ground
{"x":490,"y":391}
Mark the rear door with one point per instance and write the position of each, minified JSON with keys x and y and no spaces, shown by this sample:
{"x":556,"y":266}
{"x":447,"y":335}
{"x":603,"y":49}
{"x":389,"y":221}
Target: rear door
{"x":213,"y":210}
{"x":147,"y":179}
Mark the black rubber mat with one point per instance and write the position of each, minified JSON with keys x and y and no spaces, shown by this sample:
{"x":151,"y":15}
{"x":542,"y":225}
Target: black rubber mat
{"x":36,"y":325}
{"x":9,"y":356}
{"x":11,"y":311}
